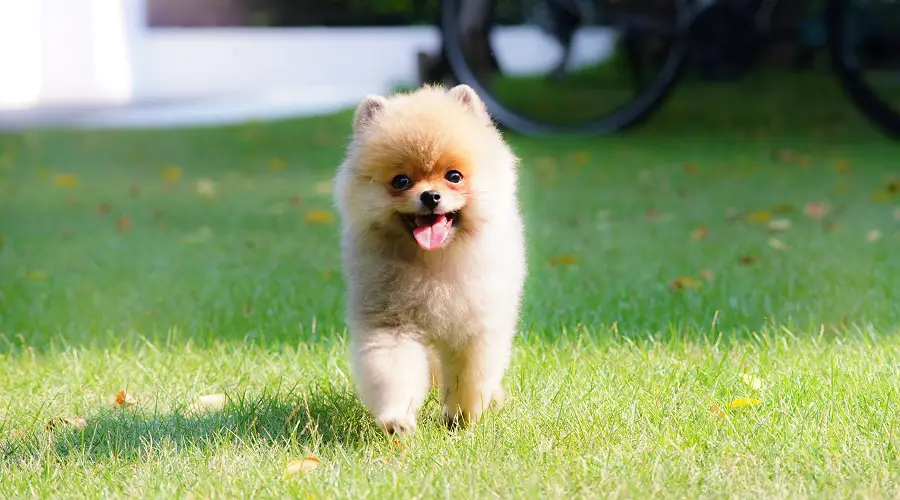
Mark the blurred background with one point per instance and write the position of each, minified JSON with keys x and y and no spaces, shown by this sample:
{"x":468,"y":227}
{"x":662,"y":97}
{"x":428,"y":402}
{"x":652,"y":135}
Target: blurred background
{"x":543,"y":65}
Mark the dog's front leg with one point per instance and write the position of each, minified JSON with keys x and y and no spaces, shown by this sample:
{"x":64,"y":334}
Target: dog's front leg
{"x":473,"y":374}
{"x":392,"y":376}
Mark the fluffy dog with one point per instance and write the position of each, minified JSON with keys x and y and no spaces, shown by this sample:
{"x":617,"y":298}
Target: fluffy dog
{"x":433,"y":253}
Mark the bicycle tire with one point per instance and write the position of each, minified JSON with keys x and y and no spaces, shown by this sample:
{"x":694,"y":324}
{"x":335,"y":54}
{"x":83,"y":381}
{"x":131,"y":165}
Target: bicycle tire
{"x":846,"y":67}
{"x":630,"y":114}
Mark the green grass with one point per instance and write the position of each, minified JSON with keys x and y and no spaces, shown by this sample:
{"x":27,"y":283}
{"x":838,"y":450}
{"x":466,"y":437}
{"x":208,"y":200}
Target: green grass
{"x":595,"y":91}
{"x":614,"y":374}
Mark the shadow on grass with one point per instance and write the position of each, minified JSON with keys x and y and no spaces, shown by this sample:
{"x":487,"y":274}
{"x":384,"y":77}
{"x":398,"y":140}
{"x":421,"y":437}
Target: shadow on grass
{"x":322,"y":415}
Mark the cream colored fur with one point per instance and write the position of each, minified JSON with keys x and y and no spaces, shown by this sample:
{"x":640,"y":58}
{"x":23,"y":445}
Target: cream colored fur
{"x":412,"y":314}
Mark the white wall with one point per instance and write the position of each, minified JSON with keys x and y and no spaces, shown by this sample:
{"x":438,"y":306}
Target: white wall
{"x":89,"y":52}
{"x":202,"y":61}
{"x":179,"y":62}
{"x":68,"y":51}
{"x":21,"y":68}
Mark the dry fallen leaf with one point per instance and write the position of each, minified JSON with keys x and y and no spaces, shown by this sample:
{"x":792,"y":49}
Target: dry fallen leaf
{"x":779,"y":224}
{"x":841,"y":188}
{"x":124,"y":223}
{"x":715,"y":410}
{"x":873,"y":236}
{"x":753,"y":382}
{"x":742,"y":402}
{"x":206,"y":187}
{"x":318,"y":217}
{"x":881,"y":196}
{"x":563,"y":260}
{"x":785,"y":155}
{"x":816,"y":210}
{"x":209,"y":402}
{"x":545,"y":162}
{"x":295,"y":200}
{"x":65,"y":180}
{"x":700,"y":233}
{"x":580,"y":158}
{"x":124,"y":400}
{"x":302,"y":465}
{"x":893,"y":186}
{"x":36,"y":275}
{"x":759,"y":217}
{"x":691,"y":168}
{"x":172,"y":174}
{"x":684,"y":283}
{"x":777,"y":244}
{"x":75,"y":422}
{"x":783,"y":208}
{"x":707,"y":274}
{"x":750,"y":259}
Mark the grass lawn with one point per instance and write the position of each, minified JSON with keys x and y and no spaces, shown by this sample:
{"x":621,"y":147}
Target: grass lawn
{"x":748,"y":252}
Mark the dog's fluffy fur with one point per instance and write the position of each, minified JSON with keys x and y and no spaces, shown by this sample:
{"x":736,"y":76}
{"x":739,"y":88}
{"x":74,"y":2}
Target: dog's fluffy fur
{"x":449,"y":312}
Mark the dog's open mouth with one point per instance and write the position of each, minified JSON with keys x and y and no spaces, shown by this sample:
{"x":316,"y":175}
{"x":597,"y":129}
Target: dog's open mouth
{"x":432,"y":230}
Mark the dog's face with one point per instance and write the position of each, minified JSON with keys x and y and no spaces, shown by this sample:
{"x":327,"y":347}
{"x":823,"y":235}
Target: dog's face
{"x":421,"y":167}
{"x":426,"y":196}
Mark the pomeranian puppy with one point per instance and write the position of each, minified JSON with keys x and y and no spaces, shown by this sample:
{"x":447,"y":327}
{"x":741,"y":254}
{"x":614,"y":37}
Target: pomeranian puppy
{"x":432,"y":247}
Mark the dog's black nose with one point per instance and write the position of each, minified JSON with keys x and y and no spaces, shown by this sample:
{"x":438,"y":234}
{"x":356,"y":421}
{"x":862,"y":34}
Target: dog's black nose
{"x":431,"y":199}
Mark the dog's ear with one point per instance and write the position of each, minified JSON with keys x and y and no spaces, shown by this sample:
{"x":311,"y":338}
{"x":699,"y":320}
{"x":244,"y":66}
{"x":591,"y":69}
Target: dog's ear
{"x":367,"y":111}
{"x":469,"y":100}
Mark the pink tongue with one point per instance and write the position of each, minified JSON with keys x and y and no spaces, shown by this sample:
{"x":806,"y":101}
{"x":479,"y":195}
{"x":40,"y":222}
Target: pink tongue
{"x":433,"y":236}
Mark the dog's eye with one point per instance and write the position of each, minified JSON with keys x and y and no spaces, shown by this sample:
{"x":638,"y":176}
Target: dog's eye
{"x":401,"y":182}
{"x":454,"y":176}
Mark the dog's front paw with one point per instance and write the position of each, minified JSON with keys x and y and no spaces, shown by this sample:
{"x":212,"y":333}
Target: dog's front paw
{"x":451,"y":420}
{"x":455,"y":417}
{"x":398,"y":425}
{"x":499,"y":398}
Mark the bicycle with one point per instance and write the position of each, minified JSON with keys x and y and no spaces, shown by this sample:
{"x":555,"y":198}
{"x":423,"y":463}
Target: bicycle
{"x":723,"y":39}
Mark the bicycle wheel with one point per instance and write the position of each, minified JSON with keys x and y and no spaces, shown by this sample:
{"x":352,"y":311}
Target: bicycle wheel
{"x":864,"y":45}
{"x":563,"y":69}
